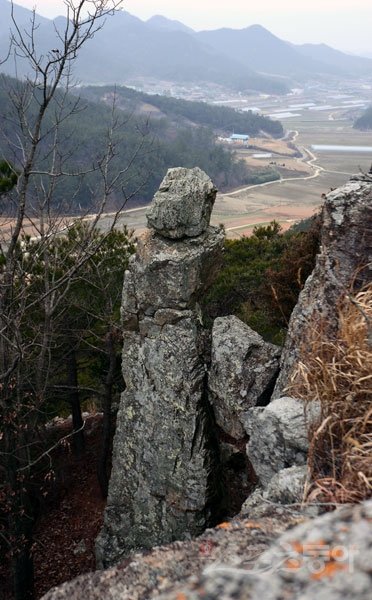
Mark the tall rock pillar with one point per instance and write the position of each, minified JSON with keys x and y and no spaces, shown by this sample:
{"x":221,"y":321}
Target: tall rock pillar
{"x":161,"y":488}
{"x":343,"y":265}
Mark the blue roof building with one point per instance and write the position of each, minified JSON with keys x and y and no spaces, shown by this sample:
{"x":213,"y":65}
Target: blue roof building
{"x":239,"y":137}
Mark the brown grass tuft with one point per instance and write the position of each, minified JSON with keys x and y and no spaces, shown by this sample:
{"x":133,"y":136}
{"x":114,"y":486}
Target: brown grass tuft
{"x":337,"y":373}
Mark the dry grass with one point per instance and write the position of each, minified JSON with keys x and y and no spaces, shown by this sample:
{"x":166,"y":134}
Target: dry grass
{"x":338,"y":374}
{"x":268,"y":145}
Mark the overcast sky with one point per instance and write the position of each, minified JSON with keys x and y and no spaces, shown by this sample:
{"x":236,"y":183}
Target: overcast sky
{"x":344,"y":24}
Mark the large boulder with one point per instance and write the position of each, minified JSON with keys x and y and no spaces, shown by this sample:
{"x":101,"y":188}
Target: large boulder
{"x":278,"y":435}
{"x":242,"y":373}
{"x":284,"y":555}
{"x":183,"y":205}
{"x":164,"y":484}
{"x":328,"y":558}
{"x":285,"y":487}
{"x":344,"y":264}
{"x":144,"y":576}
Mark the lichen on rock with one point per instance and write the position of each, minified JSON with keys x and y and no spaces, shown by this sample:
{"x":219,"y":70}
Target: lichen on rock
{"x":242,"y":373}
{"x":162,"y":485}
{"x":183,"y":205}
{"x":278,"y":435}
{"x":343,"y":265}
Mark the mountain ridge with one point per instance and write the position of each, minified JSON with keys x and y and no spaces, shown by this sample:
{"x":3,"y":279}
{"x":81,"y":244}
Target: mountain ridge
{"x":251,"y":59}
{"x":133,"y":48}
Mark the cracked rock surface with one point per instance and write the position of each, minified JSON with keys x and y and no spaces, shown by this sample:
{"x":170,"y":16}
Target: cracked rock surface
{"x":183,"y":205}
{"x":344,"y":264}
{"x":283,"y":554}
{"x":162,"y":486}
{"x":242,"y":373}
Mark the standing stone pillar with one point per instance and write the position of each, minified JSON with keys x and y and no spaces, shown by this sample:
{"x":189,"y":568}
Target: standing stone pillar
{"x":161,"y":486}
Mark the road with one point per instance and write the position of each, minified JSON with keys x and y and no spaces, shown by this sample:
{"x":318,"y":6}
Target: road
{"x":307,"y":158}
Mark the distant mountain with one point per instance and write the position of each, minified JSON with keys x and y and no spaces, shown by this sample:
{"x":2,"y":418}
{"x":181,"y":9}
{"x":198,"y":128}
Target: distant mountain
{"x":132,"y":48}
{"x":256,"y":46}
{"x":245,"y":60}
{"x":336,"y":58}
{"x":21,"y":14}
{"x":127,"y":47}
{"x":163,"y":24}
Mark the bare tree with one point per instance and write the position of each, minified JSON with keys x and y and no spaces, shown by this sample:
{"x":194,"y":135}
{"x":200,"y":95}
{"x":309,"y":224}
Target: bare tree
{"x":41,"y":105}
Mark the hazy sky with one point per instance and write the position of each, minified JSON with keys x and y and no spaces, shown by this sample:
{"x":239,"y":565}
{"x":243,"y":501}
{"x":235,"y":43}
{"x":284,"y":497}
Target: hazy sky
{"x":344,"y":24}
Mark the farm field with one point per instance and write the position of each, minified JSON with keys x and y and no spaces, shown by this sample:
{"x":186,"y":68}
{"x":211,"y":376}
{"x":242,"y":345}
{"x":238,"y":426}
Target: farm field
{"x":304,"y":179}
{"x":288,"y":201}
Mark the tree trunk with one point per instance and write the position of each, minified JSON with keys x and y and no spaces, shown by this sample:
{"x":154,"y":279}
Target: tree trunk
{"x":23,"y":564}
{"x":18,"y":506}
{"x":103,"y":462}
{"x":74,"y":399}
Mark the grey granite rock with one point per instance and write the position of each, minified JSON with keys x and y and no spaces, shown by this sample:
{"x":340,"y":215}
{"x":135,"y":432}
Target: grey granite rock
{"x":242,"y":373}
{"x":164,"y":484}
{"x":168,"y":275}
{"x":345,"y":262}
{"x":284,"y":555}
{"x":285,"y":487}
{"x":159,"y":482}
{"x":278,"y":436}
{"x":144,"y":576}
{"x":328,"y":558}
{"x":183,"y":205}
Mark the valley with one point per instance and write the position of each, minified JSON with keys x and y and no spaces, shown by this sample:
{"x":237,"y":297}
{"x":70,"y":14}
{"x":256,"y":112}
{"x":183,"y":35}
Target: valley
{"x":319,"y":151}
{"x":304,"y":178}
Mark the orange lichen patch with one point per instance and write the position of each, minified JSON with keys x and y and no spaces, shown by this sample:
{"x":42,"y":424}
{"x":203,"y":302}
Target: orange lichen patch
{"x":337,"y":553}
{"x":181,"y":596}
{"x":293,"y":564}
{"x":297,"y":547}
{"x":330,"y":570}
{"x":224,"y":525}
{"x":311,"y":548}
{"x":252,"y":525}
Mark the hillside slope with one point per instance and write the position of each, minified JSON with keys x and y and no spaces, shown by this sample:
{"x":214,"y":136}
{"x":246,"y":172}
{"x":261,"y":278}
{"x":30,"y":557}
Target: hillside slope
{"x":364,"y":123}
{"x":221,"y":119}
{"x":170,"y":139}
{"x":341,"y":61}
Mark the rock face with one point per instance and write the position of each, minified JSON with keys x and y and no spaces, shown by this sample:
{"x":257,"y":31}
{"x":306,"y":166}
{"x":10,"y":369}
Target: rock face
{"x":242,"y":373}
{"x":146,"y":576}
{"x":345,"y":261}
{"x":166,"y":276}
{"x":162,"y":487}
{"x":285,"y":487}
{"x":278,"y":436}
{"x":183,"y":205}
{"x":164,"y":477}
{"x":328,"y":557}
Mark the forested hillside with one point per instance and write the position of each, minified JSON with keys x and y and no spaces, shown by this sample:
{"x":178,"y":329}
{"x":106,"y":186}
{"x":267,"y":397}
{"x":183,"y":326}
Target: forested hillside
{"x":220,"y":118}
{"x":144,"y":145}
{"x":365,"y":120}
